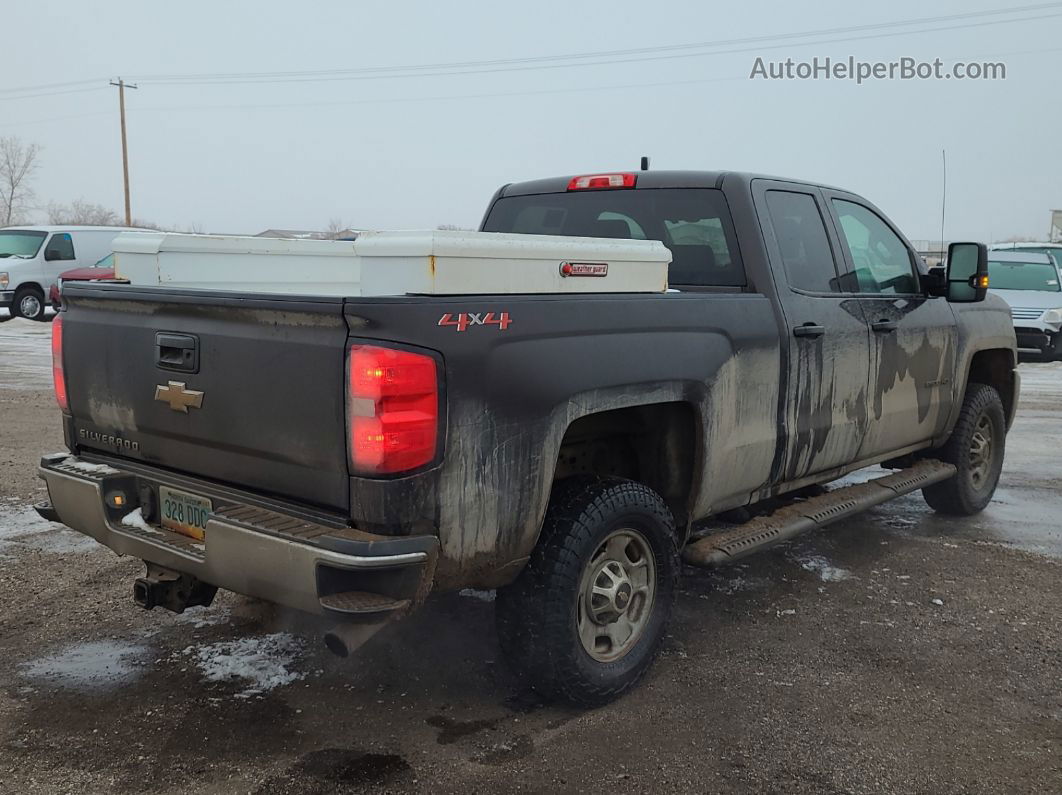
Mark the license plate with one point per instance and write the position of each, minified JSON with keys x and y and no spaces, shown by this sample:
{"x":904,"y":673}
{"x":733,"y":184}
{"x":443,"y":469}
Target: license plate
{"x":184,"y":513}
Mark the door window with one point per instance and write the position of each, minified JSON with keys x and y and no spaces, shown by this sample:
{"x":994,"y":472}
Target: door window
{"x":60,"y":248}
{"x":801,"y":235}
{"x":881,"y":260}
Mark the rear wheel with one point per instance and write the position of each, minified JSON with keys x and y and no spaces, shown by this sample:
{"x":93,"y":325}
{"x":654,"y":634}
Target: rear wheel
{"x":586,"y":617}
{"x":976,"y":449}
{"x":29,"y":303}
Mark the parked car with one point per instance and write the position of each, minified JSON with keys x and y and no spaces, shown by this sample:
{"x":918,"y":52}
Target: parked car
{"x":32,"y":257}
{"x":1054,"y":250}
{"x":103,"y":269}
{"x":347,"y":454}
{"x":1031,"y":283}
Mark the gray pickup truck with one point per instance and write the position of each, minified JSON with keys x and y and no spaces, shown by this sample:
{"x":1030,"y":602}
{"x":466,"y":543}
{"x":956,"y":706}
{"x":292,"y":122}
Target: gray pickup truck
{"x":347,"y":456}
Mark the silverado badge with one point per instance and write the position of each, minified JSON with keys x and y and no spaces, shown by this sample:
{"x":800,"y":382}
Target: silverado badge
{"x":179,"y":398}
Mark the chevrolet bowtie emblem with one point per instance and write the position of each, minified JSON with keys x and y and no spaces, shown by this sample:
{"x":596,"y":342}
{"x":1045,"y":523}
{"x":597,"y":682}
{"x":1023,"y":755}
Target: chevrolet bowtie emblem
{"x":179,"y":398}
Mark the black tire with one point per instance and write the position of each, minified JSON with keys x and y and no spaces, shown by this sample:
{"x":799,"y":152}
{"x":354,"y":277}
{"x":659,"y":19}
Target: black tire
{"x":974,"y":483}
{"x":539,"y":616}
{"x":23,"y":303}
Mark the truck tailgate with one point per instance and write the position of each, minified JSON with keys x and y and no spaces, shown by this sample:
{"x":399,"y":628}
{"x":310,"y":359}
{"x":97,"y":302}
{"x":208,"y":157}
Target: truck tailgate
{"x":270,"y":371}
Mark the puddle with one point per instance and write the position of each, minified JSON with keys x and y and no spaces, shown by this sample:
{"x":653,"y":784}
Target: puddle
{"x":262,"y":664}
{"x":451,"y":730}
{"x":337,"y":770}
{"x":96,"y":665}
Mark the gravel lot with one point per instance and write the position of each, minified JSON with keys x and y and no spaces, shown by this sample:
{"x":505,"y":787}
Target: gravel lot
{"x":898,"y":652}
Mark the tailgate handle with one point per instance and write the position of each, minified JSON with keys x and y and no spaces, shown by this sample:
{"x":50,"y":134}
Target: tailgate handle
{"x":178,"y":352}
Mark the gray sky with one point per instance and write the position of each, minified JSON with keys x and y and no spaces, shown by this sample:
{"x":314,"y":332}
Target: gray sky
{"x":430,"y":149}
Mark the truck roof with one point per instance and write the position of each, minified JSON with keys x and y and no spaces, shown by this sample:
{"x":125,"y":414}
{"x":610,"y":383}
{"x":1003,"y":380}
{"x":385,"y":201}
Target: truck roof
{"x":1020,"y":244}
{"x":650,"y":179}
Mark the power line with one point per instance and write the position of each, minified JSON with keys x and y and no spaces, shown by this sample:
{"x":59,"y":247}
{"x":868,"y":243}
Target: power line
{"x":757,"y":48}
{"x":57,"y":93}
{"x":440,"y":97}
{"x":46,"y":86}
{"x":585,"y":58}
{"x":568,"y":60}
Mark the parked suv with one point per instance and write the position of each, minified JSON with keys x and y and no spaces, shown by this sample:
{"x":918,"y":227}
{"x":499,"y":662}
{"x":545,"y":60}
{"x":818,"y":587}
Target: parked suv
{"x":32,"y":257}
{"x":1031,"y":284}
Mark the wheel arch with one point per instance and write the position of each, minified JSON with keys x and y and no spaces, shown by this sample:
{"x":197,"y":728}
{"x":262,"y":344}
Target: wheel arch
{"x":654,"y":443}
{"x":996,"y":368}
{"x":30,"y":285}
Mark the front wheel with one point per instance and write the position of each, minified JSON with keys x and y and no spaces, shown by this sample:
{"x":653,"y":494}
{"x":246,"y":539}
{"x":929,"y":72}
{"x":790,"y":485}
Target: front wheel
{"x":975,"y":447}
{"x":29,"y":303}
{"x":585,"y":619}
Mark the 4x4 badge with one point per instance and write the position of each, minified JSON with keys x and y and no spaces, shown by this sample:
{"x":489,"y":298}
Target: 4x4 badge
{"x":179,"y":398}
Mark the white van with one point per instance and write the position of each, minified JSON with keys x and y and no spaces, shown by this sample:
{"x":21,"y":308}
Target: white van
{"x":32,"y":257}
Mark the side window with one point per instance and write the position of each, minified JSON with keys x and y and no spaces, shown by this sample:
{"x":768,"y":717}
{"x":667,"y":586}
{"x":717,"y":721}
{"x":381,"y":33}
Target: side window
{"x":60,"y":248}
{"x":881,"y":260}
{"x":801,"y":235}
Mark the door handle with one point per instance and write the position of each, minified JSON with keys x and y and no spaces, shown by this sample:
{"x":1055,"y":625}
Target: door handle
{"x":808,"y":330}
{"x":884,"y":326}
{"x":178,"y":352}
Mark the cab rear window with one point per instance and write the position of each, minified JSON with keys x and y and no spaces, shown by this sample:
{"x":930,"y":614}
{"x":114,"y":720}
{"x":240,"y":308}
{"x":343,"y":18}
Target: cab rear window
{"x":694,"y":223}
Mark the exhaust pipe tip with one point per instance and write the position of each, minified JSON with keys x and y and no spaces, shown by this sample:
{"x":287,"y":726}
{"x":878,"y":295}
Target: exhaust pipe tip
{"x":345,"y":639}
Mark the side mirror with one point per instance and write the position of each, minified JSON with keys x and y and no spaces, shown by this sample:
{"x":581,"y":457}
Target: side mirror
{"x":967,"y":273}
{"x":51,"y":255}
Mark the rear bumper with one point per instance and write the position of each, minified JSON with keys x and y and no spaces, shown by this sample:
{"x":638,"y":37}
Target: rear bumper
{"x":336,"y":571}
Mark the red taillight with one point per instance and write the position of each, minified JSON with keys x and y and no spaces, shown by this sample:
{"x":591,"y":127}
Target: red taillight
{"x":393,"y":406}
{"x":58,"y":376}
{"x":598,"y":181}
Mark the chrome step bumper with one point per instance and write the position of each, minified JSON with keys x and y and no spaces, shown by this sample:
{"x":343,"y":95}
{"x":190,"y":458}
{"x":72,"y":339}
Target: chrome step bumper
{"x":247,"y":549}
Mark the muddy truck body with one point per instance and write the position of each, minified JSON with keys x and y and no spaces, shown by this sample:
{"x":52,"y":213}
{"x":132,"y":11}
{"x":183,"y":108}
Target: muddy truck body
{"x":347,"y":455}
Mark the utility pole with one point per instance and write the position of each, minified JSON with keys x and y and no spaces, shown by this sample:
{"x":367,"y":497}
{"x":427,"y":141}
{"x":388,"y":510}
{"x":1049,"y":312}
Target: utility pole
{"x":122,"y":86}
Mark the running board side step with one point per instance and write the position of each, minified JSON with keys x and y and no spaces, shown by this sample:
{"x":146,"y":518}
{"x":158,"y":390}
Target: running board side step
{"x":812,"y":514}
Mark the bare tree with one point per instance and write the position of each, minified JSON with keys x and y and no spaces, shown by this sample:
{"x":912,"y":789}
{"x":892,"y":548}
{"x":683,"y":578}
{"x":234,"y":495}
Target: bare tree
{"x":454,"y":228}
{"x":18,"y":162}
{"x":335,"y":229}
{"x":81,"y":212}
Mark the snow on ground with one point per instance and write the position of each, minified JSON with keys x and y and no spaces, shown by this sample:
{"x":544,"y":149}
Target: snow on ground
{"x":25,"y":355}
{"x":22,"y":528}
{"x":95,"y":665}
{"x":821,"y":566}
{"x":201,"y":617}
{"x":261,"y":663}
{"x":724,"y":583}
{"x":474,"y":593}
